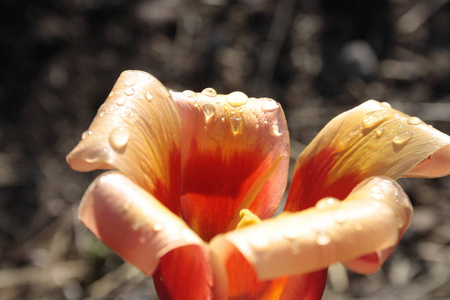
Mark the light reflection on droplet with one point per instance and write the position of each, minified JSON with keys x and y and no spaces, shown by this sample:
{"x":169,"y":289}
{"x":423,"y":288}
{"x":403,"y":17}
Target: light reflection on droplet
{"x":189,"y":93}
{"x":210,"y":92}
{"x":118,"y":138}
{"x":86,"y":134}
{"x":402,"y":138}
{"x":148,"y":96}
{"x":414,"y":121}
{"x":237,"y":99}
{"x":129,"y":91}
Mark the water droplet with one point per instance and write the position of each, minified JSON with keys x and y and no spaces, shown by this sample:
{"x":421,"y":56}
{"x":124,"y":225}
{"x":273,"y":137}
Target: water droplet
{"x":136,"y":225}
{"x":101,"y":114}
{"x":210,"y":92}
{"x":209,"y":110}
{"x":126,"y":206}
{"x":402,"y":138}
{"x":121,"y":101}
{"x":400,"y":222}
{"x":269,"y":106}
{"x":259,"y":240}
{"x":414,"y":121}
{"x":327,"y":202}
{"x":236,"y":123}
{"x":340,"y":216}
{"x":158,"y":227}
{"x":295,"y":246}
{"x":278,"y":129}
{"x":118,"y":138}
{"x":357,"y":226}
{"x":290,"y":232}
{"x":86,"y":134}
{"x":385,"y":104}
{"x":237,"y":98}
{"x":350,"y":139}
{"x":380,"y":131}
{"x":129,"y":91}
{"x":323,"y":238}
{"x":148,"y":96}
{"x":377,"y":204}
{"x":189,"y":93}
{"x":374,"y":118}
{"x":128,"y":82}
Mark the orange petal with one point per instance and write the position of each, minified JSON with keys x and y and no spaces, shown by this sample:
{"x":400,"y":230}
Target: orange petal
{"x":370,"y":140}
{"x":235,"y":156}
{"x":190,"y":273}
{"x":145,"y":233}
{"x":370,"y":219}
{"x":136,"y":131}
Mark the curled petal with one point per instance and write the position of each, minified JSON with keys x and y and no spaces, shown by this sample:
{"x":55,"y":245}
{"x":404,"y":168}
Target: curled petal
{"x":370,"y":140}
{"x":136,"y":131}
{"x":145,"y":233}
{"x":370,"y":219}
{"x":235,"y":156}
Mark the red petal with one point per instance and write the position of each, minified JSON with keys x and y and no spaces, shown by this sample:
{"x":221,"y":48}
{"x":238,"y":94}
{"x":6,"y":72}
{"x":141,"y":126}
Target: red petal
{"x":235,"y":156}
{"x":190,"y":273}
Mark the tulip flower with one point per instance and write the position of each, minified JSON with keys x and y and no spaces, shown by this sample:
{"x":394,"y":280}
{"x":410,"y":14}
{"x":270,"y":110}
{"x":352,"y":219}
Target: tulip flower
{"x":196,"y":178}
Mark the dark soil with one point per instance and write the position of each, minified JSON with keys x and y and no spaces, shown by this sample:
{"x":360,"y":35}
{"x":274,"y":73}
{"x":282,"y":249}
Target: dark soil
{"x":60,"y":58}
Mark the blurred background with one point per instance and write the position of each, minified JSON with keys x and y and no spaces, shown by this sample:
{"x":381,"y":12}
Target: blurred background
{"x":60,"y":58}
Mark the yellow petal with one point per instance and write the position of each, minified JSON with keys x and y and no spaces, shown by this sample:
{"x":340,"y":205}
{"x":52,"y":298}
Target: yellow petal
{"x":370,"y":219}
{"x":137,"y":132}
{"x":370,"y":140}
{"x":235,"y":156}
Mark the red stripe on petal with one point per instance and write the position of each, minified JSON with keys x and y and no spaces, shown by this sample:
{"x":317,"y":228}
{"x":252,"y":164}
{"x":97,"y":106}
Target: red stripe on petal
{"x":170,"y":195}
{"x":311,"y":181}
{"x":213,"y":187}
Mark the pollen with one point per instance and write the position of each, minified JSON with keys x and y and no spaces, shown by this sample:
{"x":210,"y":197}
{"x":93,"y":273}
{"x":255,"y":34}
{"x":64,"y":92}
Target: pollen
{"x":247,"y":218}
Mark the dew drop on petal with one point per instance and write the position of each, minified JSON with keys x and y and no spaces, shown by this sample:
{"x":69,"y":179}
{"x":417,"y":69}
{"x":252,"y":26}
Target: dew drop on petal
{"x":158,"y":227}
{"x":189,"y":93}
{"x":327,"y":202}
{"x":386,"y":104}
{"x":402,"y":138}
{"x":118,"y":138}
{"x":209,"y":110}
{"x":210,"y":92}
{"x":414,"y":121}
{"x":323,"y":238}
{"x":340,"y":216}
{"x":121,"y":101}
{"x":400,"y":222}
{"x":136,"y":225}
{"x":350,"y":139}
{"x":237,"y":99}
{"x":129,"y":91}
{"x":380,"y":131}
{"x":128,"y":82}
{"x":357,"y":226}
{"x":269,"y":106}
{"x":101,"y":114}
{"x":295,"y":246}
{"x":236,"y":123}
{"x":278,"y":129}
{"x":86,"y":134}
{"x":374,"y":118}
{"x":148,"y":96}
